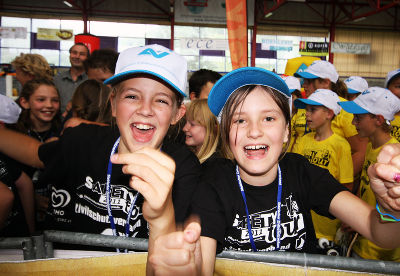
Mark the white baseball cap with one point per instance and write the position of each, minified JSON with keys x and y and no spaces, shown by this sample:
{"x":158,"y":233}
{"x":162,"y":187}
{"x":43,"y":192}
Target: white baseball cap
{"x":356,"y":84}
{"x":155,"y":60}
{"x":9,"y":110}
{"x":374,"y":100}
{"x":319,"y":69}
{"x":323,"y":97}
{"x":391,"y":75}
{"x":292,"y":82}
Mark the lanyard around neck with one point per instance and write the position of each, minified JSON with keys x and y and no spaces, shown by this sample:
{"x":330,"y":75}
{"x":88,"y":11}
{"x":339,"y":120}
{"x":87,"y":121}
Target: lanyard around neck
{"x":108,"y":196}
{"x":278,"y":210}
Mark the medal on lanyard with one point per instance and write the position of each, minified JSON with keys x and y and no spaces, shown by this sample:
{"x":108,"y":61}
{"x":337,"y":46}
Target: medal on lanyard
{"x":278,"y":210}
{"x":108,"y":197}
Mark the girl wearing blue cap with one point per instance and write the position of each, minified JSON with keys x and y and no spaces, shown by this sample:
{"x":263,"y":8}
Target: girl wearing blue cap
{"x":117,"y":180}
{"x":259,"y":199}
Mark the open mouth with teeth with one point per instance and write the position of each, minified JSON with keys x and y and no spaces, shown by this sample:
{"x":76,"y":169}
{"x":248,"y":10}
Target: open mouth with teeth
{"x":256,"y":150}
{"x":142,"y":132}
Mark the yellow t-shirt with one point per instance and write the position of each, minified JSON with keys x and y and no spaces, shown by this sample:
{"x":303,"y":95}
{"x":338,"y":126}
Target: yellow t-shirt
{"x":395,"y":127}
{"x":363,"y":247}
{"x":299,"y":127}
{"x":342,"y":125}
{"x":334,"y":154}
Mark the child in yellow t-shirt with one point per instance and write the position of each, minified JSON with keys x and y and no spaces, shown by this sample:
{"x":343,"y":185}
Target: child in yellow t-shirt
{"x":392,"y":83}
{"x":373,"y":110}
{"x":325,"y":149}
{"x":321,"y":74}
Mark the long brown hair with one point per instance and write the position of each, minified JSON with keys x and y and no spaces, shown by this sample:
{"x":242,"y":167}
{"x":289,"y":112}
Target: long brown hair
{"x":235,"y":102}
{"x":91,"y":102}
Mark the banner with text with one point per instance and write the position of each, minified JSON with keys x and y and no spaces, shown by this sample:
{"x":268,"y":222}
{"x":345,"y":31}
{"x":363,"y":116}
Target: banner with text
{"x":204,"y":44}
{"x":276,"y":45}
{"x":307,"y":48}
{"x":351,"y":48}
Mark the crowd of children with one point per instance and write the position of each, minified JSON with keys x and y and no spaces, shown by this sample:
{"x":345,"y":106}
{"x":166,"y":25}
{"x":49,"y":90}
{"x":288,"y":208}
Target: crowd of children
{"x":262,"y":168}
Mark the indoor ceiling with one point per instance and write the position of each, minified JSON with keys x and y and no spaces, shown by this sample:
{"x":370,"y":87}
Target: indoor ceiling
{"x":356,"y":14}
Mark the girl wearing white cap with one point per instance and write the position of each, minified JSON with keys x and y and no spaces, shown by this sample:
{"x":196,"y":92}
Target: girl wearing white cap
{"x":104,"y":177}
{"x":322,"y":74}
{"x":260,"y":199}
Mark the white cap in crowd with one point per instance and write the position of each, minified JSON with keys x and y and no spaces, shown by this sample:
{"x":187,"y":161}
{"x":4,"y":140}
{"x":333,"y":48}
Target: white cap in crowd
{"x":324,"y":97}
{"x":9,"y":110}
{"x":391,"y":75}
{"x":319,"y":69}
{"x":374,"y":100}
{"x":155,"y":60}
{"x":292,"y":82}
{"x":356,"y":84}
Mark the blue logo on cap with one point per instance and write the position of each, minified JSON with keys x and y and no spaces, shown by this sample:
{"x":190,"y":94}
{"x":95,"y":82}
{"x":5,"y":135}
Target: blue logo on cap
{"x":150,"y":51}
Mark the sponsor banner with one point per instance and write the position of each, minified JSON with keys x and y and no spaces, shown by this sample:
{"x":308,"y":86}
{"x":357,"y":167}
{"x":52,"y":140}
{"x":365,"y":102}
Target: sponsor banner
{"x":54,"y":34}
{"x":351,"y":48}
{"x":307,"y":48}
{"x":237,"y":32}
{"x":206,"y":11}
{"x":13,"y":32}
{"x":204,"y":44}
{"x":276,"y":45}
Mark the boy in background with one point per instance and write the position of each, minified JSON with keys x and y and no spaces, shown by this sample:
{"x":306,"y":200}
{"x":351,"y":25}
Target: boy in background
{"x":325,"y":149}
{"x":392,"y":83}
{"x":373,"y":110}
{"x":201,"y":82}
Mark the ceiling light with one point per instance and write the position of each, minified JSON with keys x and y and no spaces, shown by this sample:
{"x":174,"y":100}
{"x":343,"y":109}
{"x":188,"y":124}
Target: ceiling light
{"x":268,"y":15}
{"x":68,"y":4}
{"x":359,"y":19}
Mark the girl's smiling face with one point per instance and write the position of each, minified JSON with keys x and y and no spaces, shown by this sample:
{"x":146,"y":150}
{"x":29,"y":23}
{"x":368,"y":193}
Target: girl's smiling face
{"x":258,"y":131}
{"x":195,"y":134}
{"x":144,"y":109}
{"x":43,"y":104}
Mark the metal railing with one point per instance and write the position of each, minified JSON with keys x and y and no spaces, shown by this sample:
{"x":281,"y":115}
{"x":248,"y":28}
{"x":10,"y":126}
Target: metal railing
{"x":41,"y":247}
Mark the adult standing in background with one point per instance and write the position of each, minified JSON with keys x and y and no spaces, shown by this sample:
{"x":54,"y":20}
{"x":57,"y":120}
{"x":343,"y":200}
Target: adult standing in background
{"x":31,"y":66}
{"x":67,"y":81}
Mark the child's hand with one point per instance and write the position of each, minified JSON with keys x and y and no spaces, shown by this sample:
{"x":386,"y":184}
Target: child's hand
{"x":153,"y":174}
{"x":385,"y":177}
{"x":178,"y":253}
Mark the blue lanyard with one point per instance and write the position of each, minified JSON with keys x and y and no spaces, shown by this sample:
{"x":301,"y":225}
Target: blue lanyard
{"x":278,"y":210}
{"x":108,"y":196}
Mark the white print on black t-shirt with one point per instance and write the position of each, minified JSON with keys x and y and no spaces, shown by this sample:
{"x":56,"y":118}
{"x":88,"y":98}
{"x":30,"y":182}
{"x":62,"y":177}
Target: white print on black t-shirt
{"x":59,"y":198}
{"x":263,"y":226}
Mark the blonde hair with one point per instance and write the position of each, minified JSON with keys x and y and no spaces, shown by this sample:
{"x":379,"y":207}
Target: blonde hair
{"x":35,"y":65}
{"x":199,"y":111}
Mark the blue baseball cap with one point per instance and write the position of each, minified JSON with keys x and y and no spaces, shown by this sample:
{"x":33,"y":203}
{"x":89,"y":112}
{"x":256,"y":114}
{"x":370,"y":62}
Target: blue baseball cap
{"x":229,"y":83}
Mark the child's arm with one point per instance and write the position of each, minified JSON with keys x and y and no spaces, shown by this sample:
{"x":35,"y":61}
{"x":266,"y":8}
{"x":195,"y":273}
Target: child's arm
{"x":20,"y":147}
{"x":25,"y":192}
{"x":364,"y":218}
{"x":6,"y":203}
{"x":152,"y":175}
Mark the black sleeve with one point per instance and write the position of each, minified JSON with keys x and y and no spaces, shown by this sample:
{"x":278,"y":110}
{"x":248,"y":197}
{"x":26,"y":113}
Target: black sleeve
{"x":213,"y":198}
{"x":323,"y":188}
{"x":9,"y":170}
{"x":187,"y":174}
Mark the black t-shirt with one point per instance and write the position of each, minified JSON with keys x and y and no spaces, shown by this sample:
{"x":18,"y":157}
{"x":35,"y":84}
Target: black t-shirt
{"x":15,"y":225}
{"x":77,"y":165}
{"x":219,"y":203}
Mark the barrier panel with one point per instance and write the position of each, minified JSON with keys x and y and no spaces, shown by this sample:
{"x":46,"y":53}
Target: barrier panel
{"x":228,"y":262}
